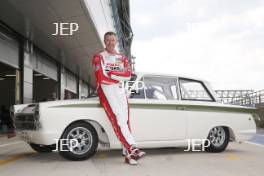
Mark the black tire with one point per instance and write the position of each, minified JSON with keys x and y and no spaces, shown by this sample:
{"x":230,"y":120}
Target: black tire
{"x":216,"y":147}
{"x":42,"y":148}
{"x":90,"y":145}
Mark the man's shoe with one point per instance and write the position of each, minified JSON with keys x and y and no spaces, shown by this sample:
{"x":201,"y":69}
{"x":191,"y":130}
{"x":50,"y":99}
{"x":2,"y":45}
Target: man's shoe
{"x":129,"y":159}
{"x":138,"y":154}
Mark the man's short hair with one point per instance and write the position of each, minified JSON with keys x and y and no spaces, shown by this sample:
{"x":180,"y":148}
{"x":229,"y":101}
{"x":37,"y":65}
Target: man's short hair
{"x":109,"y":33}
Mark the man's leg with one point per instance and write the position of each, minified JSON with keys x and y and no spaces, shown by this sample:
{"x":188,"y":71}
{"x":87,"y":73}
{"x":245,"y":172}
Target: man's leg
{"x":112,"y":117}
{"x":117,"y":125}
{"x":115,"y":104}
{"x":123,"y":106}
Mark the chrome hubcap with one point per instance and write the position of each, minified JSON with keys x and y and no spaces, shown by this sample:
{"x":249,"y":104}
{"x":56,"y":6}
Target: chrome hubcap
{"x":79,"y":140}
{"x":217,"y":136}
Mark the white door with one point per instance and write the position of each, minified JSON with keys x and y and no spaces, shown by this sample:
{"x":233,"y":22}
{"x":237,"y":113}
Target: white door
{"x":156,"y":113}
{"x":201,"y":118}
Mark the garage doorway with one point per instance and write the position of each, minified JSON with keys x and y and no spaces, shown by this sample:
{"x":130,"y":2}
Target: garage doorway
{"x":8,"y":92}
{"x":69,"y":95}
{"x":44,"y":88}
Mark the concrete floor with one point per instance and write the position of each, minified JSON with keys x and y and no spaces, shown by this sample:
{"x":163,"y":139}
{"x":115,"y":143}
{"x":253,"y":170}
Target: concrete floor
{"x":17,"y":158}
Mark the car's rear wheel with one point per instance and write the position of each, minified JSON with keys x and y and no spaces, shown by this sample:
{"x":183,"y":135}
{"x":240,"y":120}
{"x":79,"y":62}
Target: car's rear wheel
{"x":79,"y":142}
{"x":218,"y":138}
{"x":42,"y":148}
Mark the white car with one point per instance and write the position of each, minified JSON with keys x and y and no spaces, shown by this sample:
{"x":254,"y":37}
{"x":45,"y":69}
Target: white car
{"x":169,"y":111}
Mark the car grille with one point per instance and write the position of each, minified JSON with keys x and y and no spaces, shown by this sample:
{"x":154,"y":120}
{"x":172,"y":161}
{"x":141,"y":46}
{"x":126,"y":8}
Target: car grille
{"x":26,"y":122}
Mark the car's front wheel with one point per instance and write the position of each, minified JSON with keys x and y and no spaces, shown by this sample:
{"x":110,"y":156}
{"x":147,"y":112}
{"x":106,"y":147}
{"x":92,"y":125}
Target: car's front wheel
{"x":218,"y":139}
{"x":79,"y":142}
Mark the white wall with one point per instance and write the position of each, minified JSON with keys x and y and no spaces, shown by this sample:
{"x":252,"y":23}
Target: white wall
{"x":101,"y":14}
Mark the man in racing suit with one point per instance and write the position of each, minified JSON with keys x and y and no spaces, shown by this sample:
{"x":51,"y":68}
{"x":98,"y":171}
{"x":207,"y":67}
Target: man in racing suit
{"x":111,"y":69}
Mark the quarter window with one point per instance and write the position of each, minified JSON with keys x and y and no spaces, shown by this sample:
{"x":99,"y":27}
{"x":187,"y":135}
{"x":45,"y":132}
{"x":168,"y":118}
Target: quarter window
{"x":193,"y":90}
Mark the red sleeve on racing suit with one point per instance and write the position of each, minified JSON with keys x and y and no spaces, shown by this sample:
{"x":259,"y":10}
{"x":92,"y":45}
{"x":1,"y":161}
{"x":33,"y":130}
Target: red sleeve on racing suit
{"x":123,"y":73}
{"x":100,"y":77}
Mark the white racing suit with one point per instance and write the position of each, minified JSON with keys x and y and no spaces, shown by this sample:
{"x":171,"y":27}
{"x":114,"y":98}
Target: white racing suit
{"x":110,"y":71}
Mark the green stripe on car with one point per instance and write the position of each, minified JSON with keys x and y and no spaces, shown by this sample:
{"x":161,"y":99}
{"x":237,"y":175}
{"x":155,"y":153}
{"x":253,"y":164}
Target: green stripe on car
{"x":169,"y":107}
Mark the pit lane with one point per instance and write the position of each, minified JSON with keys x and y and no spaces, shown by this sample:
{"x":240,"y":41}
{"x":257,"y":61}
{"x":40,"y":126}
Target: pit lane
{"x":17,"y":158}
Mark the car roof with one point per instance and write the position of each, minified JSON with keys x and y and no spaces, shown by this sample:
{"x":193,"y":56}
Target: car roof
{"x":166,"y":74}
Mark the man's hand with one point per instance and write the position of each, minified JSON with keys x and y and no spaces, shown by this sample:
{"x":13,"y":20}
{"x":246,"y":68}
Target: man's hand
{"x":122,"y":73}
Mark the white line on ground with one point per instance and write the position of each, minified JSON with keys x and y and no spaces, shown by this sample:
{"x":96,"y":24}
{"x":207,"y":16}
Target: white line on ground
{"x":4,"y":145}
{"x":260,"y":145}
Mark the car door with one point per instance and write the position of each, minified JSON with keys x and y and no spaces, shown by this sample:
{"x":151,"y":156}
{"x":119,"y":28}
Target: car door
{"x":155,"y":112}
{"x":198,"y":103}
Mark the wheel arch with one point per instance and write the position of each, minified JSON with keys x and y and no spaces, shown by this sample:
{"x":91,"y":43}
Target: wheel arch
{"x":102,"y":135}
{"x":232,"y":136}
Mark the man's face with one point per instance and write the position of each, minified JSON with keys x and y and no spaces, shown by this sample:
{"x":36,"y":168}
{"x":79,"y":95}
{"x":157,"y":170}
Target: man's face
{"x":110,"y":42}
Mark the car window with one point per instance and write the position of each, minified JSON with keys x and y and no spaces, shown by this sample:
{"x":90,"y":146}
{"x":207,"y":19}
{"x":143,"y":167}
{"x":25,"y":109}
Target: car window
{"x":155,"y":92}
{"x":174,"y":91}
{"x":193,"y":90}
{"x":159,"y":88}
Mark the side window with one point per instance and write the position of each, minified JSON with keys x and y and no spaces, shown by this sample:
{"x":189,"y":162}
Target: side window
{"x":193,"y":90}
{"x":155,"y":92}
{"x":160,"y":88}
